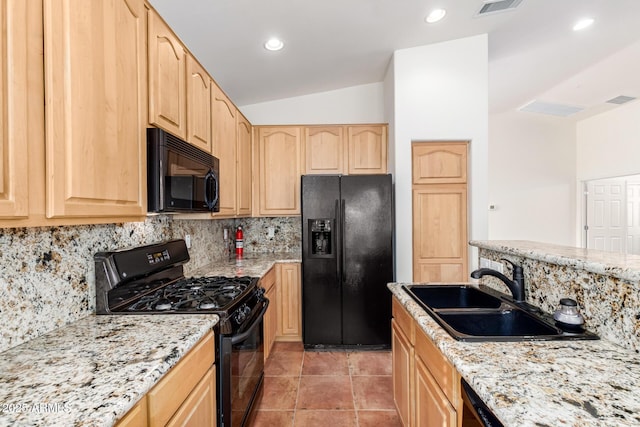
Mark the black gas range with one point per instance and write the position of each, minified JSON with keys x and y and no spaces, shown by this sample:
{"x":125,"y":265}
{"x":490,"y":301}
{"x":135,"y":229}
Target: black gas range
{"x":150,"y":280}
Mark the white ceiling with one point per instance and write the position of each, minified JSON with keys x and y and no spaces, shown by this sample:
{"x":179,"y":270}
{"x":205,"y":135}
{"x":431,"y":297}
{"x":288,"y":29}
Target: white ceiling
{"x":332,"y":44}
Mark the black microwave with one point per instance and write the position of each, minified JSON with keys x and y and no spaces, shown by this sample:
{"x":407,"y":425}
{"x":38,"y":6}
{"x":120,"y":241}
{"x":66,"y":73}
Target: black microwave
{"x":180,"y":177}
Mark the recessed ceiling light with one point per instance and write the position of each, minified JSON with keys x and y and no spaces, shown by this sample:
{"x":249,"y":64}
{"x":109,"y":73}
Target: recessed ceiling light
{"x":274,"y":44}
{"x":582,"y":24}
{"x":435,"y":15}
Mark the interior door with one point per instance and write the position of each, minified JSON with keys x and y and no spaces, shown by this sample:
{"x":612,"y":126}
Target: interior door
{"x":606,"y":215}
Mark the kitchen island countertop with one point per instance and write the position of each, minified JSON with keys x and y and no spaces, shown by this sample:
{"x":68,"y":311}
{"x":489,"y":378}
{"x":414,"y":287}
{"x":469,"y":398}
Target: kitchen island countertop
{"x":552,"y":383}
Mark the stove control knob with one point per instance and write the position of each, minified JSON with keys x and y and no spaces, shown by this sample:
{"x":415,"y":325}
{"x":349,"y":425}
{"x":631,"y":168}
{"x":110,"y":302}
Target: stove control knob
{"x":239,"y":318}
{"x":242,"y":314}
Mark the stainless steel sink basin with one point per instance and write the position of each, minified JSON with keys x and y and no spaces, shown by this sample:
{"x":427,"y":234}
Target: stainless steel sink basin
{"x":469,"y":313}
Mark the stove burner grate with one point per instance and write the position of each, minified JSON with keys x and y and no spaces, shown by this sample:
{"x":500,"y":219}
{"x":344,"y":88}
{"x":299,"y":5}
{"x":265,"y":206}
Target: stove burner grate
{"x":194,"y":294}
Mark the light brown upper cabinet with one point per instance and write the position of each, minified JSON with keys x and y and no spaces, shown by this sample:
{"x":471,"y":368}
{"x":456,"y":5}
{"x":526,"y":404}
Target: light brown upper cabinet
{"x":16,"y":125}
{"x":243,"y":175}
{"x":224,"y":148}
{"x":198,"y":105}
{"x":95,"y":80}
{"x":353,"y":149}
{"x":167,"y":78}
{"x":279,"y":160}
{"x":367,"y":147}
{"x":440,"y":215}
{"x":324,"y":150}
{"x":441,"y":163}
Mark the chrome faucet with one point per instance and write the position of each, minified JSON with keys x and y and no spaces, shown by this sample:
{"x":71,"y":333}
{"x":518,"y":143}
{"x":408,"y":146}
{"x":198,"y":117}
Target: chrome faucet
{"x":516,"y":286}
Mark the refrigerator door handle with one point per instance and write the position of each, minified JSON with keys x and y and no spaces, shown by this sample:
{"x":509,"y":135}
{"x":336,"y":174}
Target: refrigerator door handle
{"x":342,"y":228}
{"x":337,"y":225}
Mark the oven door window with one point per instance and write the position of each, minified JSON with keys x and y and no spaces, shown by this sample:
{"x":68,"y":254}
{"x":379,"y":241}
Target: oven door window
{"x":188,"y":184}
{"x":247,"y":365}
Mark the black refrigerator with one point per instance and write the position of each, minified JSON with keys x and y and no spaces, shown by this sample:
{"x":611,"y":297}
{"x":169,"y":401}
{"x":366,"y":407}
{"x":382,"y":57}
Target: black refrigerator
{"x":347,"y":260}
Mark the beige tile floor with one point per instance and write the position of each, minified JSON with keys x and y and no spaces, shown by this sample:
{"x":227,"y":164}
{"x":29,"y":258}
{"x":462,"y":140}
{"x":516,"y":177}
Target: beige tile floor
{"x":337,"y":389}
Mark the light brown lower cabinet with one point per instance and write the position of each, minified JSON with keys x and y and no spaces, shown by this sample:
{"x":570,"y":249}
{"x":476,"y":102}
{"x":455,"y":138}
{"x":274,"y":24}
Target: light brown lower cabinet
{"x":283,"y":319}
{"x":402,"y":356}
{"x":137,"y":416}
{"x":270,"y":324}
{"x":426,"y":386}
{"x":185,"y":396}
{"x":289,"y":307}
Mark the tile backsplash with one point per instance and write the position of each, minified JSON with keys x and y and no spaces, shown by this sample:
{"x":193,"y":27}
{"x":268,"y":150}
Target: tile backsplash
{"x":47,"y":273}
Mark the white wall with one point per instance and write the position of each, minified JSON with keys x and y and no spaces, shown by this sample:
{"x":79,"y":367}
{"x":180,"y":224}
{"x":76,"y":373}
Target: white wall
{"x":440,"y":93}
{"x":532,"y":178}
{"x":356,"y":104}
{"x":608,"y":144}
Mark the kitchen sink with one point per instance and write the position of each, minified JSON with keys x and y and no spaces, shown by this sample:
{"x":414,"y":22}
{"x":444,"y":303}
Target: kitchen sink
{"x":470,"y":313}
{"x":504,"y":323}
{"x":454,"y":297}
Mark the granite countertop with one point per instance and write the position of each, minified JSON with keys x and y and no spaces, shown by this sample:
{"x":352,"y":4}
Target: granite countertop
{"x":552,"y":383}
{"x":621,"y":266}
{"x":252,"y":264}
{"x":91,"y":372}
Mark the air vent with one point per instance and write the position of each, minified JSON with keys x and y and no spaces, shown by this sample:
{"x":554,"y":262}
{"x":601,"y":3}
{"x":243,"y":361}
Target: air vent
{"x":494,"y":6}
{"x":622,"y":99}
{"x":550,"y":108}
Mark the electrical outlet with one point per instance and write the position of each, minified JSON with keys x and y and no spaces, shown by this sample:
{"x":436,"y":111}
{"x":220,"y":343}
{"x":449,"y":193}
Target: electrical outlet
{"x":497,"y":266}
{"x":485,"y":263}
{"x":271,"y":232}
{"x":187,"y":240}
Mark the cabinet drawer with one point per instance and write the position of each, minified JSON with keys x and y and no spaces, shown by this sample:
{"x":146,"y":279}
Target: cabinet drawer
{"x":404,"y":320}
{"x":167,"y":396}
{"x":441,"y":369}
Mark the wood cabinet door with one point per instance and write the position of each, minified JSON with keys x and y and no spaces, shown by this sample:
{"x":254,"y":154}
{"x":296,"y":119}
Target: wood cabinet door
{"x":270,"y":321}
{"x":289,"y":302}
{"x":439,"y":162}
{"x":367,"y":148}
{"x":200,"y":407}
{"x":324,"y":150}
{"x":224,"y":148}
{"x":432,"y":407}
{"x":243,"y":174}
{"x":15,"y":37}
{"x":198,"y":105}
{"x":440,"y":233}
{"x":270,"y":325}
{"x":136,"y":417}
{"x":95,"y":118}
{"x":280,"y":168}
{"x":402,"y":357}
{"x":167,"y":78}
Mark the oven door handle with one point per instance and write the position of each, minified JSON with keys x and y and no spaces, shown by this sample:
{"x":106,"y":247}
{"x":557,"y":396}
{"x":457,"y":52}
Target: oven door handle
{"x":239,"y":338}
